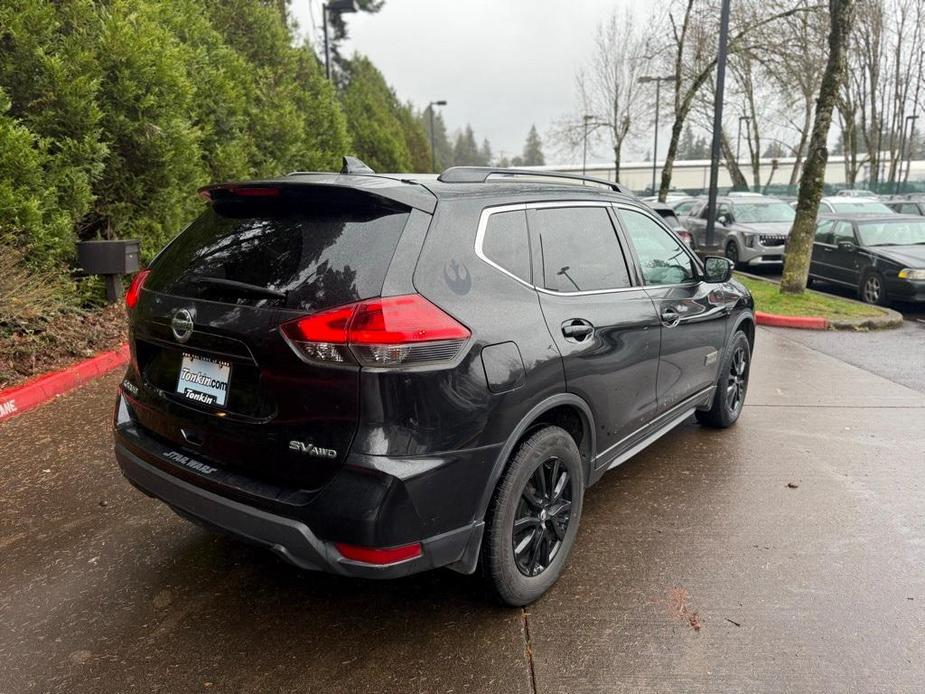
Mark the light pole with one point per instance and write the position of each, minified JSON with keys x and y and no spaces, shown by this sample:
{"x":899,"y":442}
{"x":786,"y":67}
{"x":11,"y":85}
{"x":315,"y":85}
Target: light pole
{"x":717,"y":121}
{"x":340,"y":7}
{"x":658,"y":79}
{"x":739,"y":135}
{"x":906,"y":144}
{"x":433,"y":140}
{"x":584,"y":155}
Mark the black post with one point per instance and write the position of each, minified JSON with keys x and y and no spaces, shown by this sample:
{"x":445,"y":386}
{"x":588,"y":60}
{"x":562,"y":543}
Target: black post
{"x":910,"y":144}
{"x":584,"y":155}
{"x":658,"y":99}
{"x":717,"y":122}
{"x":433,"y":141}
{"x":327,"y":49}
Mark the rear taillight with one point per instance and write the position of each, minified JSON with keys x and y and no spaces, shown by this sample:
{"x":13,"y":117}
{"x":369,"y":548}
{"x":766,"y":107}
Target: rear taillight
{"x":390,"y":331}
{"x":685,"y":237}
{"x":379,"y":556}
{"x":134,"y":288}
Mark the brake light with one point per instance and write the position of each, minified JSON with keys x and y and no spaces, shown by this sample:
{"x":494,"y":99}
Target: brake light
{"x":378,"y":556}
{"x":134,"y":288}
{"x":254,"y":191}
{"x":389,"y":331}
{"x":685,"y":237}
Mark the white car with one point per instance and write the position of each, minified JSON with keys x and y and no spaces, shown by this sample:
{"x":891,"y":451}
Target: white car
{"x":833,"y":204}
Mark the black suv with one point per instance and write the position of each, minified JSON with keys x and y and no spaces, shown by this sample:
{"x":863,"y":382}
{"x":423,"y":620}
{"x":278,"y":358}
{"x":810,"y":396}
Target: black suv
{"x":378,"y":375}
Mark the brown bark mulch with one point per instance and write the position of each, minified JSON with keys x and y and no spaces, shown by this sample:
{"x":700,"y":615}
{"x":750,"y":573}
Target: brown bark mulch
{"x":48,"y":344}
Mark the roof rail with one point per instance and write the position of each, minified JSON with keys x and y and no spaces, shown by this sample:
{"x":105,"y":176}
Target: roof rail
{"x":480,"y":174}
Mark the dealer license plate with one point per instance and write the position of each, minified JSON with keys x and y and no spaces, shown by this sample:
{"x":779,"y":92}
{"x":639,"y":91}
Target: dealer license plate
{"x":204,"y":380}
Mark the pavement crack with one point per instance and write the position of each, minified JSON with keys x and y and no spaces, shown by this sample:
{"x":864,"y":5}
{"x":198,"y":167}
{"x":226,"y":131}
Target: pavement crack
{"x":528,"y":648}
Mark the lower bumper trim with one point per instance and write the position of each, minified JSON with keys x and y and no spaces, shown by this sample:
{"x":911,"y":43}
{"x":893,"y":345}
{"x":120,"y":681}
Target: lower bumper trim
{"x":289,"y":538}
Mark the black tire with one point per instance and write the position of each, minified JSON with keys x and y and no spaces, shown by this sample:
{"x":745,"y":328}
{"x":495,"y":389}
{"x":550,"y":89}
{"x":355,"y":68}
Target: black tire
{"x":732,"y":252}
{"x":515,"y":577}
{"x":872,"y":289}
{"x":731,"y":386}
{"x":809,"y":282}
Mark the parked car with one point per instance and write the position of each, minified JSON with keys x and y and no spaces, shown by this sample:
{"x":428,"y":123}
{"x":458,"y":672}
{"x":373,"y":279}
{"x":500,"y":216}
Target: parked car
{"x":882,"y":257}
{"x":373,"y":375}
{"x":668,"y":216}
{"x":751,"y":230}
{"x":908,"y":206}
{"x":854,"y":193}
{"x":683,"y":206}
{"x":851,"y":205}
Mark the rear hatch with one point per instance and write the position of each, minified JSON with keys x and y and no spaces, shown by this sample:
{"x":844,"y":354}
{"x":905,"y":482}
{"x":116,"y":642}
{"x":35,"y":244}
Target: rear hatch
{"x":218,"y":379}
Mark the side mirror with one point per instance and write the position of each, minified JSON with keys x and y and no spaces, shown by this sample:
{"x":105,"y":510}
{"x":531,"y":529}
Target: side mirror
{"x":725,"y":219}
{"x":717,"y":270}
{"x":847,"y":246}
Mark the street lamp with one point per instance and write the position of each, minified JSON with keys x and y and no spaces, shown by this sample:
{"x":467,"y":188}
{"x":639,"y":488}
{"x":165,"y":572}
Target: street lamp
{"x":739,"y":135}
{"x":338,"y":7}
{"x":433,"y":140}
{"x":584,"y":156}
{"x":645,"y":79}
{"x":906,"y":144}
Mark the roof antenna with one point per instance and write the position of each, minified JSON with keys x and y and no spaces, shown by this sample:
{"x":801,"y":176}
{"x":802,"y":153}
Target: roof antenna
{"x":352,"y":165}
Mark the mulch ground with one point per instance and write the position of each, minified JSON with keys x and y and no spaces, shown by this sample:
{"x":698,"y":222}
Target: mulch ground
{"x":47,"y":344}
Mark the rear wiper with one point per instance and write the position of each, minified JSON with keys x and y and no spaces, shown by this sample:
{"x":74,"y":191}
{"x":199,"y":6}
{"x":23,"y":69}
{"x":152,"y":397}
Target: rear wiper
{"x":242,"y":286}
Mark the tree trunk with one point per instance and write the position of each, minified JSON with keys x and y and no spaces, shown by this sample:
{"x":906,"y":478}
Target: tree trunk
{"x":800,"y":244}
{"x":617,"y":147}
{"x":668,"y":168}
{"x":739,"y":182}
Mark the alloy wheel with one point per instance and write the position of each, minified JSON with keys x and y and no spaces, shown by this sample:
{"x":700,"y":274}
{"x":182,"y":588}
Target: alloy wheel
{"x":542,"y":517}
{"x":737,"y":380}
{"x":872,"y":289}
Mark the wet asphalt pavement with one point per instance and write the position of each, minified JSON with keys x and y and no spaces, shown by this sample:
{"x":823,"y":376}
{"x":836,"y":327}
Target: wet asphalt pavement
{"x":697,"y":568}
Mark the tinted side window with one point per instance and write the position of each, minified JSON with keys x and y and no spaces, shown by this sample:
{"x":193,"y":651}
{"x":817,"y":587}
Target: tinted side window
{"x":824,"y":231}
{"x":663,"y":260}
{"x":908,"y":208}
{"x":843,"y":232}
{"x":505,"y":242}
{"x":579,"y":250}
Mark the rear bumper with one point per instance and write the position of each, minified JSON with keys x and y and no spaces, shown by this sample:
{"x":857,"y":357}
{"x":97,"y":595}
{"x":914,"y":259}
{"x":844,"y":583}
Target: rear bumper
{"x":373,"y":502}
{"x":291,"y":539}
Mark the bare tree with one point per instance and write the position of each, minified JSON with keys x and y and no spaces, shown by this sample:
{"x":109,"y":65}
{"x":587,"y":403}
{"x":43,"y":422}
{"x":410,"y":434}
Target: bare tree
{"x":800,"y":243}
{"x":691,"y":52}
{"x":608,"y":88}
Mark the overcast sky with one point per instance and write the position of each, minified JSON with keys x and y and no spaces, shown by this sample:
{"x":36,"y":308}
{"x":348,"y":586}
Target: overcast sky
{"x":502,"y":65}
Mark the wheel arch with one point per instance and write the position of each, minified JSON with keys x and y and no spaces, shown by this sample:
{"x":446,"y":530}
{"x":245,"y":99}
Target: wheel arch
{"x":564,"y":409}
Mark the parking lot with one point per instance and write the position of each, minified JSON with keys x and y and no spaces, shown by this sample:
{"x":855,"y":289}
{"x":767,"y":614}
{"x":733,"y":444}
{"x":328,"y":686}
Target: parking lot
{"x":787,"y":553}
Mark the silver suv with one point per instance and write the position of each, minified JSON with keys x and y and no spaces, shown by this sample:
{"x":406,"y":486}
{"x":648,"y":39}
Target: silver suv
{"x":751,"y":230}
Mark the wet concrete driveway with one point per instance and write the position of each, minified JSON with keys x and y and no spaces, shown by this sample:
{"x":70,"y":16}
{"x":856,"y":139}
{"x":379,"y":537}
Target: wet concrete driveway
{"x":697,"y":568}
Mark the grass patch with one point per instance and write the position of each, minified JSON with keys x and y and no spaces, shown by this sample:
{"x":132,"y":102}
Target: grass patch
{"x":769,"y":300}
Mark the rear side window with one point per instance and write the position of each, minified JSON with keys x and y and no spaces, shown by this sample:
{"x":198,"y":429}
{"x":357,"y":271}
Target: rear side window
{"x":304,"y":250}
{"x":579,"y":250}
{"x":824,"y":231}
{"x":505,"y":242}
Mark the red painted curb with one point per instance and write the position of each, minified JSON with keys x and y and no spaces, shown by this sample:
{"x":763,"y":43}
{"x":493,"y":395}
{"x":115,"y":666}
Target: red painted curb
{"x":804,"y":322}
{"x":41,"y":389}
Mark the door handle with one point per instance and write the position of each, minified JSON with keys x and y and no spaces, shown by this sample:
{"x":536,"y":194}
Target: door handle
{"x":577,"y":329}
{"x":670,"y":317}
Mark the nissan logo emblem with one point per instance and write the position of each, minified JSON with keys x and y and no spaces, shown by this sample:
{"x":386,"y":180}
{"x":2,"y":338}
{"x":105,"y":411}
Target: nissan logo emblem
{"x":181,"y":325}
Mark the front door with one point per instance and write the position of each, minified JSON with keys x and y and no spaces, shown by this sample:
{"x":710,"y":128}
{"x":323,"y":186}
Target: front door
{"x":692,"y":313}
{"x":605,"y":328}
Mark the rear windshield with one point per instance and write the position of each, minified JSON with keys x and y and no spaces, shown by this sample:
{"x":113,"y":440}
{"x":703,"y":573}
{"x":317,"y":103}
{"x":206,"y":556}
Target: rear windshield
{"x":303,"y":250}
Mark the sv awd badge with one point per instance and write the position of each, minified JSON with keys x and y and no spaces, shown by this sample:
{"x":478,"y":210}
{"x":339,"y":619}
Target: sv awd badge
{"x":312,"y":450}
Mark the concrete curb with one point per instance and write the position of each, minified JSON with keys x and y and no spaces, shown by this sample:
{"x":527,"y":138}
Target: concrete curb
{"x":889,"y":319}
{"x":41,"y":389}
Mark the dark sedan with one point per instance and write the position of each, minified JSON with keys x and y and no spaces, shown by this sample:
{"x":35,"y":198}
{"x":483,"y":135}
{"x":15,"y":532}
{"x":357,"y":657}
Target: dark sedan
{"x":882,"y":257}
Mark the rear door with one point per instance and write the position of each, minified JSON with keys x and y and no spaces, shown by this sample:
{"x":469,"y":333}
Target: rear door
{"x":692,"y":313}
{"x":605,"y":328}
{"x":217,"y":377}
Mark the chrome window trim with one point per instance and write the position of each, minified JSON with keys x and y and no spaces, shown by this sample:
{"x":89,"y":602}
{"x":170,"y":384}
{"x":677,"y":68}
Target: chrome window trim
{"x":483,"y":226}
